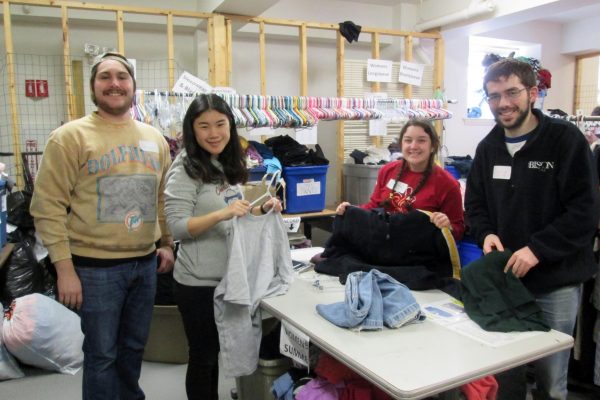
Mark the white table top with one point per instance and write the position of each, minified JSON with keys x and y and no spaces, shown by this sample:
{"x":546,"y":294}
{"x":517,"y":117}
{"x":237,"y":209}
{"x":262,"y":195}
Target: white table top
{"x":411,"y":362}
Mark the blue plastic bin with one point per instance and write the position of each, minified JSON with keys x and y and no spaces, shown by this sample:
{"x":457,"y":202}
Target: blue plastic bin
{"x":468,"y":251}
{"x":453,"y":171}
{"x":305,"y":188}
{"x":3,"y":212}
{"x":256,"y":173}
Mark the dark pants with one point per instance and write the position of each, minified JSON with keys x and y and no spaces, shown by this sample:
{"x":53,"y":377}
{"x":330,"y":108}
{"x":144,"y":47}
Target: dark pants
{"x":195,"y":304}
{"x":115,"y":319}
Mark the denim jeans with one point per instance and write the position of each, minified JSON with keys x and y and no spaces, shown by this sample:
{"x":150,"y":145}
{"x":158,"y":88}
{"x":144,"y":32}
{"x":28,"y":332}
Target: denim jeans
{"x":115,"y":319}
{"x":372,"y":299}
{"x":560,"y":312}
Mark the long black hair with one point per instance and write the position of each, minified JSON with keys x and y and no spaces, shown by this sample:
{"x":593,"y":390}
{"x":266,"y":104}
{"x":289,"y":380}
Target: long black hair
{"x":197,"y":162}
{"x":435,"y":145}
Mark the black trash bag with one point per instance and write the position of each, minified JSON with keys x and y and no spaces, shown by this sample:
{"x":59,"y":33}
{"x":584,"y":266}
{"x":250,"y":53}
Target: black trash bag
{"x":23,"y":274}
{"x":17,"y":207}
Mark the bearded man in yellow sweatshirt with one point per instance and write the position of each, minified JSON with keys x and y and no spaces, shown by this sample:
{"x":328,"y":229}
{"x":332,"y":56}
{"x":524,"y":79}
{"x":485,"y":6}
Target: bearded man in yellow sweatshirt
{"x":98,"y":206}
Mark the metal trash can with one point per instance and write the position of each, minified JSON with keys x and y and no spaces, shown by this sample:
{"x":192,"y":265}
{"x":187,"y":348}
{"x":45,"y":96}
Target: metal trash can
{"x":258,"y":385}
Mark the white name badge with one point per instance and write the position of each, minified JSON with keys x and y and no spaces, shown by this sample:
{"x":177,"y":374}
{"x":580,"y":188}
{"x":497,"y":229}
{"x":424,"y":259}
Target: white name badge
{"x":501,"y":172}
{"x":149,"y":146}
{"x":397,"y":186}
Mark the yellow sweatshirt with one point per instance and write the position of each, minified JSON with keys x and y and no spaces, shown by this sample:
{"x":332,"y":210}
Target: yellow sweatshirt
{"x":99,"y":191}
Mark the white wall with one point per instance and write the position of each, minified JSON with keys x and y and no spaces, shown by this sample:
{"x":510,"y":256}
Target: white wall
{"x":463,"y":136}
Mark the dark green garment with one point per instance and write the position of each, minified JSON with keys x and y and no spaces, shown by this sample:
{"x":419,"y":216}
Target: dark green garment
{"x":498,"y":301}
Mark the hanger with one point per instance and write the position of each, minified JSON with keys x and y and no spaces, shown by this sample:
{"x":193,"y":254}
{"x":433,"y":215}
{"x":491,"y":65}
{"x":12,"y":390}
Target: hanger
{"x":275,"y":177}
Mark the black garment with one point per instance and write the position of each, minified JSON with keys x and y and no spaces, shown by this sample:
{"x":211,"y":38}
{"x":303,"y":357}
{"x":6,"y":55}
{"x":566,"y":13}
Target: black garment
{"x":406,"y":246}
{"x":497,"y":301}
{"x":550,"y":203}
{"x":358,"y":156}
{"x":350,"y":30}
{"x":195,"y":303}
{"x":293,"y":154}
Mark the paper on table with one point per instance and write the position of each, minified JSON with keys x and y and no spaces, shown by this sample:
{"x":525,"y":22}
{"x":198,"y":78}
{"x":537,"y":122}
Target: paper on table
{"x":451,"y":314}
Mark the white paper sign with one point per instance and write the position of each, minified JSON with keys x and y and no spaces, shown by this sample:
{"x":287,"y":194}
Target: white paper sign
{"x":261,"y":131}
{"x":292,"y":224}
{"x":308,"y":188}
{"x":294,"y":344}
{"x":307,"y":135}
{"x":379,"y":70}
{"x":377,"y":127}
{"x":411,"y":73}
{"x":188,"y":83}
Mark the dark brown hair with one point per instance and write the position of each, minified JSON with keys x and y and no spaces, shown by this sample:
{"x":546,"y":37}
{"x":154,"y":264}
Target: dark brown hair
{"x":435,"y":145}
{"x":197,"y":161}
{"x":507,"y":67}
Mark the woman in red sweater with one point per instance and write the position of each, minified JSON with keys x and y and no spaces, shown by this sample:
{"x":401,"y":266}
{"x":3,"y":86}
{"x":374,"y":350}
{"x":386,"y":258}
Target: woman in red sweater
{"x":416,"y":182}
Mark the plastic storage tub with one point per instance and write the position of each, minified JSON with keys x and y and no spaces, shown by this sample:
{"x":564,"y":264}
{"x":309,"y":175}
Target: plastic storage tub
{"x":359,"y":182}
{"x":468,"y":251}
{"x":167,"y":342}
{"x":305,"y":188}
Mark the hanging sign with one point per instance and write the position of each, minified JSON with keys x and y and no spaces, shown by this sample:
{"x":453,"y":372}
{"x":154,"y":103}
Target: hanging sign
{"x":41,"y":88}
{"x":379,"y":70}
{"x":306,"y":135}
{"x":294,"y":344}
{"x":411,"y":73}
{"x":377,"y":127}
{"x":188,"y":83}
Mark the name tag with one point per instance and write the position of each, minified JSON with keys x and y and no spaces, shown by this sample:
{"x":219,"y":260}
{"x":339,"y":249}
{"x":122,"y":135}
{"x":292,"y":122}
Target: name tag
{"x":397,"y":186}
{"x":501,"y":172}
{"x":149,"y":146}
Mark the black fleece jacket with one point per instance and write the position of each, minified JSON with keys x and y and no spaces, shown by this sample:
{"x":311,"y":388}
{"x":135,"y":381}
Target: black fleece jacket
{"x":550,"y":201}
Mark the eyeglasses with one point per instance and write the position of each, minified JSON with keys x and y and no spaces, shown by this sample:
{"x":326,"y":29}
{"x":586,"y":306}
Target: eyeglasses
{"x":510,"y":94}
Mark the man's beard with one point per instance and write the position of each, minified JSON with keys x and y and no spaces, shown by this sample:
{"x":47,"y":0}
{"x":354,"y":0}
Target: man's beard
{"x":116,"y":111}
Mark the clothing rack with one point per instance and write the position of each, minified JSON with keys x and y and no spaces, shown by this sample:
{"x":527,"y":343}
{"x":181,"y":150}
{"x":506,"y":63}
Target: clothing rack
{"x":167,"y":109}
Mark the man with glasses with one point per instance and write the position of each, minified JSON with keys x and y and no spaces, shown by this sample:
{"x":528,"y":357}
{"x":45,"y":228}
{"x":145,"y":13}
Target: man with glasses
{"x":531,"y":190}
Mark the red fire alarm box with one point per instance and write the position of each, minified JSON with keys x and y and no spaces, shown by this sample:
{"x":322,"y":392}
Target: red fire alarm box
{"x":41,"y":88}
{"x":30,"y":88}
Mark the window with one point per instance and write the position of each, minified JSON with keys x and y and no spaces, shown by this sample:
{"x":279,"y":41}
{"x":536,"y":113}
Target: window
{"x":479,"y":47}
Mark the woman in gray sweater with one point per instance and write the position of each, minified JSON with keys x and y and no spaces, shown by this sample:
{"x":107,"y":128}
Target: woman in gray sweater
{"x":203,"y":194}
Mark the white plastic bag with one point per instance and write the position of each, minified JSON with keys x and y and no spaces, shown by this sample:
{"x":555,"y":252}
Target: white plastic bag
{"x":42,"y":332}
{"x":9,"y":368}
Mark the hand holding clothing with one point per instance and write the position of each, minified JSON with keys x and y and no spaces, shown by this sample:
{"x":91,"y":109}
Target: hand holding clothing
{"x":237,"y":208}
{"x":521,"y":262}
{"x":274,"y":204}
{"x":341,"y":209}
{"x":440,"y":220}
{"x":492,"y":242}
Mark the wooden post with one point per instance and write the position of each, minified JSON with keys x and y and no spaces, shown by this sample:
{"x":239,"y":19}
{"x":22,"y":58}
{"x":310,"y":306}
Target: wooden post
{"x":67,"y":64}
{"x":438,"y":80}
{"x":408,"y":56}
{"x":12,"y":93}
{"x":170,"y":50}
{"x":340,"y":134}
{"x":375,"y":86}
{"x":217,"y":51}
{"x":303,"y":61}
{"x":262,"y":50}
{"x":229,"y":50}
{"x":78,"y":92}
{"x":120,"y":33}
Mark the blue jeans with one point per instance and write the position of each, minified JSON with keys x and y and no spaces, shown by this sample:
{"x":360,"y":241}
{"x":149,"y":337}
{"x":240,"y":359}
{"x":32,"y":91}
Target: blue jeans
{"x":372,"y":299}
{"x":115,"y":319}
{"x":560,"y":312}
